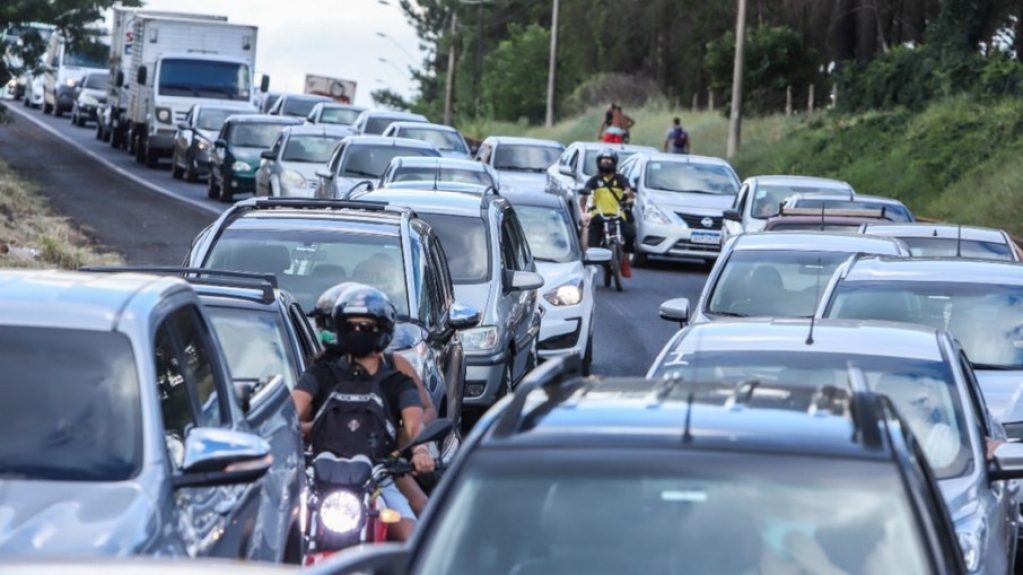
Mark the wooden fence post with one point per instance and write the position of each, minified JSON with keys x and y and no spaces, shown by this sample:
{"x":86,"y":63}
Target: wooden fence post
{"x":810,"y":100}
{"x":710,"y":100}
{"x":788,"y":100}
{"x":696,"y":102}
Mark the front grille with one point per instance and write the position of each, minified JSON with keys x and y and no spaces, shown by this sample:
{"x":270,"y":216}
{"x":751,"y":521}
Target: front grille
{"x":179,"y":116}
{"x":683,"y":245}
{"x":696,"y":222}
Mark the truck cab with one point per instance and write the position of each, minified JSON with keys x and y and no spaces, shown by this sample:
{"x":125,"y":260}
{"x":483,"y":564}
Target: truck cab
{"x":64,"y":65}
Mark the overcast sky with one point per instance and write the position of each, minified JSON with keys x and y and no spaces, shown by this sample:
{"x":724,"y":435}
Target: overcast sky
{"x":336,"y":38}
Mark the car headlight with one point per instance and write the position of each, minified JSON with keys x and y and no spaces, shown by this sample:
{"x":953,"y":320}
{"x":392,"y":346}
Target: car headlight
{"x":163,"y":115}
{"x":566,"y":294}
{"x":240,"y":166}
{"x":292,"y":179}
{"x":69,"y":82}
{"x":654,"y":215}
{"x":89,"y":100}
{"x":971,"y":543}
{"x":203,"y":144}
{"x":480,"y":338}
{"x":341,"y":512}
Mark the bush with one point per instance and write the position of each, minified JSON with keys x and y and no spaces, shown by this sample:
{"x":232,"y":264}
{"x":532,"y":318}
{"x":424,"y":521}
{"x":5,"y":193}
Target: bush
{"x":623,"y":89}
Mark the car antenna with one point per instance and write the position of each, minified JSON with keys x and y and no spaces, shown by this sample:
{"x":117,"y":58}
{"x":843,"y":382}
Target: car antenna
{"x":959,"y":240}
{"x":816,"y":300}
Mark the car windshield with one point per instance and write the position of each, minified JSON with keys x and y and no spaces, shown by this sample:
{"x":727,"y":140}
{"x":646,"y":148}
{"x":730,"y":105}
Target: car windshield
{"x":892,"y":212}
{"x":466,"y":245}
{"x":525,"y":157}
{"x":590,"y":163}
{"x":308,"y":262}
{"x":924,"y":391}
{"x":204,"y":79}
{"x":298,"y":107}
{"x":370,"y":161}
{"x":344,"y":116}
{"x":694,"y":178}
{"x":376,"y":125}
{"x":783,"y":283}
{"x":767,"y":198}
{"x":444,"y":140}
{"x":671,"y":513}
{"x":950,"y":247}
{"x":309,"y":149}
{"x":97,"y":81}
{"x":254,"y":343}
{"x":986,"y":318}
{"x":474,"y":176}
{"x":69,"y":405}
{"x":92,"y":56}
{"x":549,"y":233}
{"x":212,"y":119}
{"x":254,"y":134}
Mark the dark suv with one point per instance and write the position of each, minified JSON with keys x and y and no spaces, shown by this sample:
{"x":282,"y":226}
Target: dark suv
{"x":622,"y":475}
{"x":312,"y":245}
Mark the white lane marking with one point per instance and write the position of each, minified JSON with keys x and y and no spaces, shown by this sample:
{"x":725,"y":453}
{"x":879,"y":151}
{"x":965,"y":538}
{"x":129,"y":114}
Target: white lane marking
{"x":111,"y":166}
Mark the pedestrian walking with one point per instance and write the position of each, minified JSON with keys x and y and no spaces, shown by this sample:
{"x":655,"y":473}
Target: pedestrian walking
{"x":676,"y":141}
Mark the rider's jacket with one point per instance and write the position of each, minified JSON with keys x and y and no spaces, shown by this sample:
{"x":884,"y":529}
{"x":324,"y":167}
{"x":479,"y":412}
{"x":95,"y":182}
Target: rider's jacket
{"x":607,"y":192}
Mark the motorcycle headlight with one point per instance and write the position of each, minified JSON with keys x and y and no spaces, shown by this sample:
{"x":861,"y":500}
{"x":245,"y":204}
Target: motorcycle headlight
{"x":241,"y":166}
{"x":292,"y":179}
{"x":480,"y":339}
{"x":341,"y":512}
{"x":566,"y":294}
{"x":163,"y":115}
{"x":654,"y":215}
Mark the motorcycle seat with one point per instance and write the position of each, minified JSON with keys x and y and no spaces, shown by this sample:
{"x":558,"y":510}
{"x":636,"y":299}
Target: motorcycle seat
{"x":334,"y":470}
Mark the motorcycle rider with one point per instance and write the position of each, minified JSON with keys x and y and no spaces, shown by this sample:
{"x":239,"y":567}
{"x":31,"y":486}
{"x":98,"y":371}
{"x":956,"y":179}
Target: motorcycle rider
{"x":607,"y":192}
{"x":351,"y":399}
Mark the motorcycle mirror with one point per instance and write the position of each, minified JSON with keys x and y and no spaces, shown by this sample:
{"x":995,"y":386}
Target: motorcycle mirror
{"x":437,"y":430}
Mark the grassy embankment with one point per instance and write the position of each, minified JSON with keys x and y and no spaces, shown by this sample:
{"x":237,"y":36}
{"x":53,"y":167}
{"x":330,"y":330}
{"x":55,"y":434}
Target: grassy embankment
{"x":957,"y":161}
{"x":31,"y":236}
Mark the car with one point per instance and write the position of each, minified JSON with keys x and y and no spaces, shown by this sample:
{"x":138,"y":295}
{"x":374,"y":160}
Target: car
{"x":777,"y":274}
{"x":760,"y":198}
{"x":193,"y":140}
{"x":625,"y":475}
{"x":493,"y":270}
{"x":313,"y":245}
{"x":922,"y":370}
{"x":979,"y":301}
{"x":118,"y":404}
{"x":374,"y":122}
{"x":420,"y":170}
{"x":521,"y":163}
{"x":90,"y":93}
{"x":448,"y":140}
{"x":235,"y":155}
{"x":132,"y":566}
{"x":288,"y":168}
{"x":359,"y":159}
{"x":296,"y":105}
{"x":933,"y":239}
{"x":267,"y":100}
{"x":578,"y":163}
{"x":892,"y":209}
{"x":334,"y":113}
{"x":822,"y":220}
{"x":680,"y":199}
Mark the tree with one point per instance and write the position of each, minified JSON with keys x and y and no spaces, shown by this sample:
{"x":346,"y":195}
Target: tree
{"x":515,"y":82}
{"x":388,"y":98}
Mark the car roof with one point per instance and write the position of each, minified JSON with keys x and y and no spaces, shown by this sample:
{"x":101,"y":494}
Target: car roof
{"x":526,"y":141}
{"x":424,"y":125}
{"x":533,"y":198}
{"x":311,"y":97}
{"x":364,"y":140}
{"x":687,"y":159}
{"x":391,"y":114}
{"x":383,"y":222}
{"x":263,"y":119}
{"x":320,"y":130}
{"x":441,"y":161}
{"x":851,"y":221}
{"x":818,"y":242}
{"x":424,"y":200}
{"x":591,"y":145}
{"x":442,"y":185}
{"x":935,"y":230}
{"x":80,"y":300}
{"x":878,"y":199}
{"x":786,"y":180}
{"x":949,"y":270}
{"x":341,"y":106}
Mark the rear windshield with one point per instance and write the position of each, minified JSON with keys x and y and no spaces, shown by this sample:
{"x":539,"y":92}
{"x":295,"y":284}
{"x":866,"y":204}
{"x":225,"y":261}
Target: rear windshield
{"x":444,"y":140}
{"x":338,"y":116}
{"x":254,"y":134}
{"x":376,"y":125}
{"x":371,"y":161}
{"x":310,"y":149}
{"x":466,"y":244}
{"x":525,"y":158}
{"x":299,"y":107}
{"x":431,"y":174}
{"x":69,"y":405}
{"x":692,"y":178}
{"x":892,"y":212}
{"x":97,"y":81}
{"x":255,"y":343}
{"x":949,"y":247}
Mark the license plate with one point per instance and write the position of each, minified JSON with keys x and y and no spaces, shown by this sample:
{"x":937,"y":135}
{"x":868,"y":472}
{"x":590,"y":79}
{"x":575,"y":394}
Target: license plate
{"x":705,"y":238}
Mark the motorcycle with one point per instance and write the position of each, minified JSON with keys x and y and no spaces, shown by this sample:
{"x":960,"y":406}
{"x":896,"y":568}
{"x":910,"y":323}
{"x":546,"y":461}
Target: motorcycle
{"x":344,"y":507}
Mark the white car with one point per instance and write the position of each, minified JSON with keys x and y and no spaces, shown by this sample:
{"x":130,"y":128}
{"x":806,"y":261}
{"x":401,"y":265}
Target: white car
{"x":567,"y":297}
{"x":578,"y":163}
{"x":520,"y":163}
{"x":760,"y":198}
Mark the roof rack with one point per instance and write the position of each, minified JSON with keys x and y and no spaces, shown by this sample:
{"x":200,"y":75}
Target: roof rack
{"x":265,"y":283}
{"x":554,"y":373}
{"x":877,"y":213}
{"x":320,"y":203}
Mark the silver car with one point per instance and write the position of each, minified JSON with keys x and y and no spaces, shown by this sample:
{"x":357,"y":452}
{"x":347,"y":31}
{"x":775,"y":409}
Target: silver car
{"x":123,"y":431}
{"x":426,"y":170}
{"x":949,"y":240}
{"x":334,"y":113}
{"x":891,"y":209}
{"x":680,"y":199}
{"x":520,"y":163}
{"x":360,"y":159}
{"x":578,"y":163}
{"x":448,"y":140}
{"x":760,"y":198}
{"x":288,"y":168}
{"x":979,"y":301}
{"x":90,"y":94}
{"x":777,"y":274}
{"x":374,"y":122}
{"x":195,"y":135}
{"x":921,"y":369}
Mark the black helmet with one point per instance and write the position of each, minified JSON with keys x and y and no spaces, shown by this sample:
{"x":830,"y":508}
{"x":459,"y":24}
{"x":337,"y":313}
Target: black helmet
{"x":607,"y":154}
{"x":323,"y":313}
{"x":361,"y":300}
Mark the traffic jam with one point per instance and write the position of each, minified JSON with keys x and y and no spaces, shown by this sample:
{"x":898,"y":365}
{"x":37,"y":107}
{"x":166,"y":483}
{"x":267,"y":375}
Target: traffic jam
{"x":379,"y":357}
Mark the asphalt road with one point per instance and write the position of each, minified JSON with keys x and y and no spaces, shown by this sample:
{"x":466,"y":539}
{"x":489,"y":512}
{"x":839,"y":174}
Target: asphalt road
{"x":151,"y":219}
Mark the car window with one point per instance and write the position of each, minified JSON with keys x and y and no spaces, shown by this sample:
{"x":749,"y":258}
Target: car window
{"x":892,"y":212}
{"x":213,"y":118}
{"x":767,"y":198}
{"x":255,"y":344}
{"x":442,"y":174}
{"x":984,"y":423}
{"x":590,"y":161}
{"x":254,"y":134}
{"x":951,"y":247}
{"x":377,"y":124}
{"x":525,"y":157}
{"x":309,"y":149}
{"x":694,"y":178}
{"x":549,"y":233}
{"x":97,"y":81}
{"x":740,"y":199}
{"x":370,"y":161}
{"x":338,"y":115}
{"x":513,"y":257}
{"x":197,"y":347}
{"x":175,"y":401}
{"x":439,"y":262}
{"x":421,"y":279}
{"x":298,"y":106}
{"x":306,"y":337}
{"x":444,"y":140}
{"x":335,"y":160}
{"x":466,"y":243}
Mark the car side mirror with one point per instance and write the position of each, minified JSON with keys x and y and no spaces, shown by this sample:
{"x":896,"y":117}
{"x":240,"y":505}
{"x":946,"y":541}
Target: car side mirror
{"x":220,"y":144}
{"x":264,"y":84}
{"x":515,"y":280}
{"x":267,"y":155}
{"x":732,"y":215}
{"x":597,"y":256}
{"x":141,"y":76}
{"x":244,"y":389}
{"x":325,"y":174}
{"x":463,"y":316}
{"x":565,"y":170}
{"x":182,"y":126}
{"x":215,"y":456}
{"x":675,"y":310}
{"x":1007,"y":463}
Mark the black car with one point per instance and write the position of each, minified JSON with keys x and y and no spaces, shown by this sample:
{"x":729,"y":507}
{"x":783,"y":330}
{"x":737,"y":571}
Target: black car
{"x":296,"y":105}
{"x":312,"y":245}
{"x":235,"y":156}
{"x":621,"y":475}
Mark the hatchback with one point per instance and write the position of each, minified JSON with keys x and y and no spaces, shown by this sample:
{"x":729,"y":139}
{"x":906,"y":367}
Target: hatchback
{"x":360,"y":159}
{"x":448,"y":140}
{"x":194,"y":138}
{"x":288,"y":168}
{"x":235,"y":156}
{"x":520,"y":163}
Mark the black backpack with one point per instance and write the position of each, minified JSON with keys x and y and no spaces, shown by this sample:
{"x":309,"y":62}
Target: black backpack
{"x":355,"y":418}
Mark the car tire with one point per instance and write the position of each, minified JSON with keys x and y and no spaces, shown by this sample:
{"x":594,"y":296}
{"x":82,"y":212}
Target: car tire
{"x":212,"y":190}
{"x":587,"y":366}
{"x":151,"y":158}
{"x":137,"y":147}
{"x":99,"y":130}
{"x":191,"y":174}
{"x":58,"y":112}
{"x":226,"y":194}
{"x":47,"y":108}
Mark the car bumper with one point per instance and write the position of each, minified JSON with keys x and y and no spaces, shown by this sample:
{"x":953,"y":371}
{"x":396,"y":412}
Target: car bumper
{"x":564,"y":330}
{"x":308,"y":191}
{"x":239,"y":182}
{"x":483,"y":375}
{"x":162,"y":140}
{"x":88,"y":111}
{"x":673,"y":240}
{"x":65,"y":97}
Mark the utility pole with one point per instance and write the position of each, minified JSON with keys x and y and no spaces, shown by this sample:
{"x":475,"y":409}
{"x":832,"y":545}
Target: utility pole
{"x":479,"y":56}
{"x":552,"y":72}
{"x":735,"y":120}
{"x":449,"y":89}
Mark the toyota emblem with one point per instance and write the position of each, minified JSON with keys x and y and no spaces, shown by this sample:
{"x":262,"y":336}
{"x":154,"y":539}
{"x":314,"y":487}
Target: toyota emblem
{"x":707,"y":222}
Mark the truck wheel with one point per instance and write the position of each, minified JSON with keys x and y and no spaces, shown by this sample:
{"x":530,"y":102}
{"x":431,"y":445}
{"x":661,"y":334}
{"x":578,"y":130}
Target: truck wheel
{"x":137,"y":146}
{"x":151,"y":157}
{"x":58,"y":112}
{"x":47,"y":108}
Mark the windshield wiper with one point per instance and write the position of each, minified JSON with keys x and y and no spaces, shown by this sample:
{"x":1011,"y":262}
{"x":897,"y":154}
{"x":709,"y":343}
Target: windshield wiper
{"x":540,"y":259}
{"x":728,"y":313}
{"x":360,"y":173}
{"x":182,"y":87}
{"x":695,"y":192}
{"x":994,"y":367}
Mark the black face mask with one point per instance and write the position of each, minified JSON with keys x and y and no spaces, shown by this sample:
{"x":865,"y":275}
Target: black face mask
{"x":358,"y":343}
{"x":608,"y":169}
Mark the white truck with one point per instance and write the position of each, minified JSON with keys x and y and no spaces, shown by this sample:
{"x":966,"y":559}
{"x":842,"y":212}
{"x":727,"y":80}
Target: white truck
{"x":179,"y":62}
{"x":64,"y":66}
{"x":112,"y":122}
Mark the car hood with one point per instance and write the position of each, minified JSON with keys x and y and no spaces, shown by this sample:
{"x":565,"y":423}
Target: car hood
{"x":556,"y":274}
{"x":75,"y":518}
{"x":94,"y":92}
{"x":307,"y":169}
{"x":250,"y":155}
{"x":712,"y":203}
{"x":523,"y":181}
{"x":1003,"y":391}
{"x":209,"y":135}
{"x":475,"y":295}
